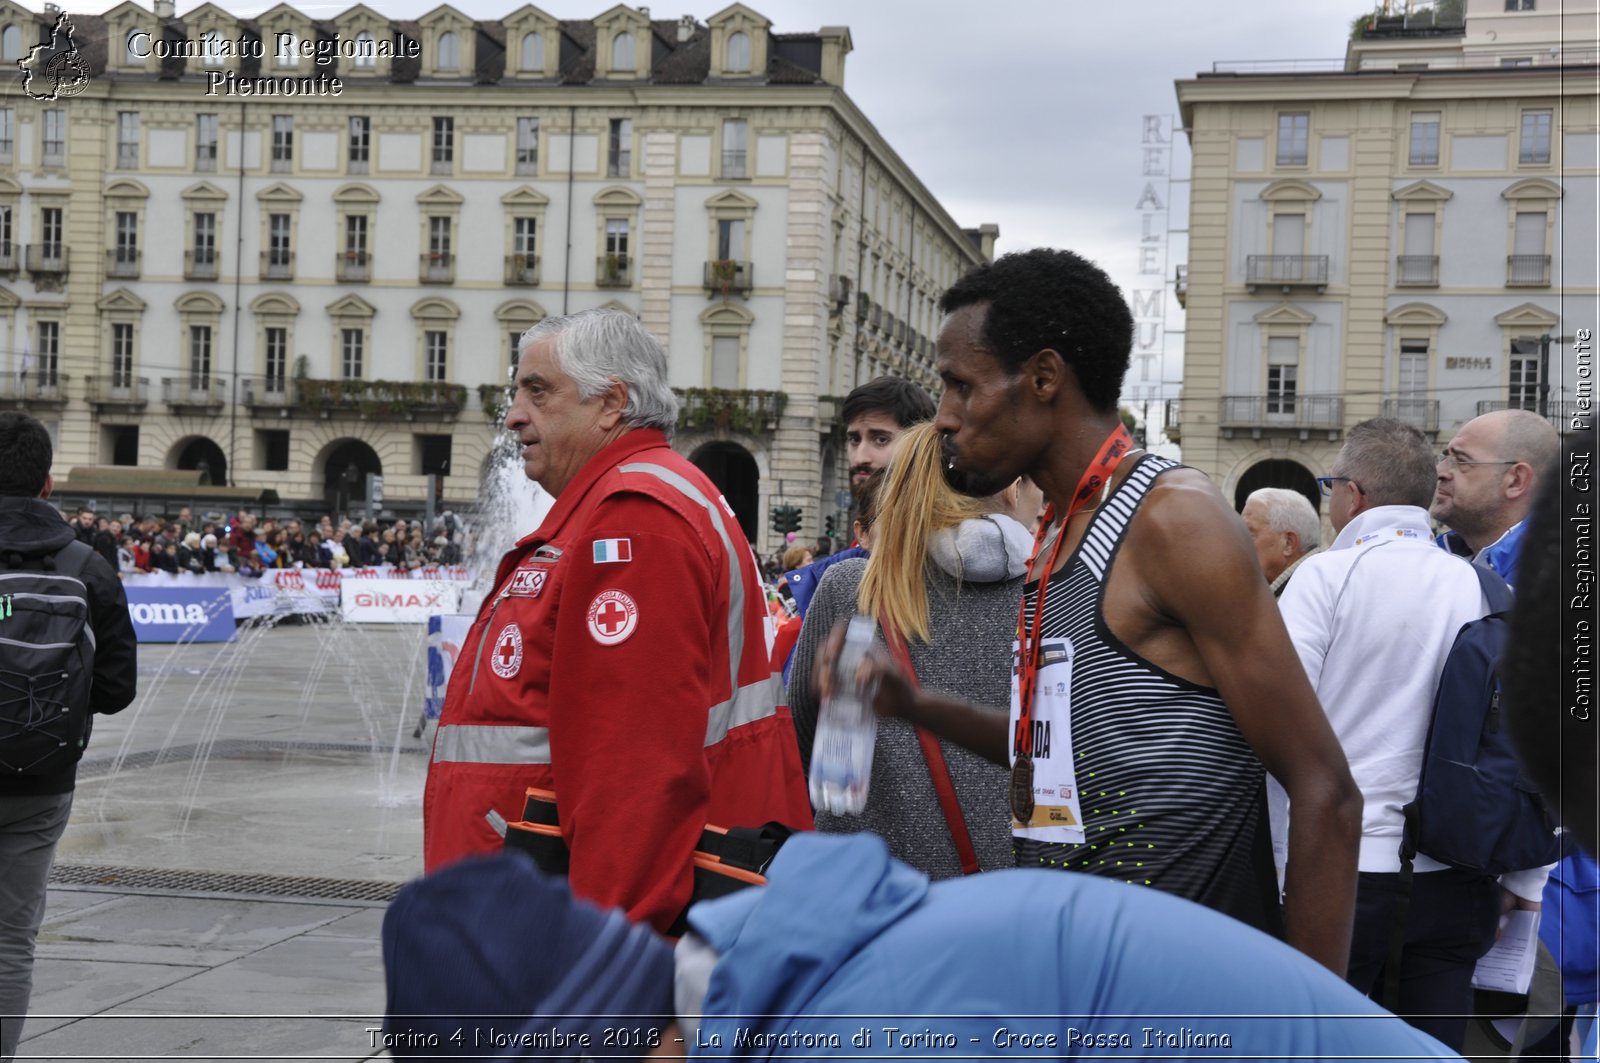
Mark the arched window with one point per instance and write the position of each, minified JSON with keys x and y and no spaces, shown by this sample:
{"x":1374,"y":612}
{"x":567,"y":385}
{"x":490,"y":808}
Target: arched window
{"x":10,"y":43}
{"x":366,"y":56}
{"x":738,"y":53}
{"x":211,"y":47}
{"x":133,"y":57}
{"x":288,"y":49}
{"x":622,"y":52}
{"x":533,"y":51}
{"x":449,"y":51}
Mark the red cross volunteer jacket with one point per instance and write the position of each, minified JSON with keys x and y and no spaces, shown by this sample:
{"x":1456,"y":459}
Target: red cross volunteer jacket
{"x":622,"y":661}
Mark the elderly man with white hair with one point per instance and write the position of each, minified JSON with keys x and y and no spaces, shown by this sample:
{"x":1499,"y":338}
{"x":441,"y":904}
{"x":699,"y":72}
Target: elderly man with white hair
{"x":1286,"y":530}
{"x":622,"y":661}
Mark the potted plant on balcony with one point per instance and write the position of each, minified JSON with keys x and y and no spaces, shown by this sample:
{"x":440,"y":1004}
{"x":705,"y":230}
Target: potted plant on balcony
{"x":724,"y":271}
{"x":615,"y":264}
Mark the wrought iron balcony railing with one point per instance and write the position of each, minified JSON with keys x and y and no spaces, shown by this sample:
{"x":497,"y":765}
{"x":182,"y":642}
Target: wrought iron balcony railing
{"x":1301,"y":412}
{"x":726,"y":276}
{"x":1527,"y":271}
{"x":1423,"y":413}
{"x":1417,"y":270}
{"x":1286,"y":270}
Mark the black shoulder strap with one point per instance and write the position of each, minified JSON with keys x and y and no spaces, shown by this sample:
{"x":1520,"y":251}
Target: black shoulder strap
{"x":1495,"y":589}
{"x":70,"y":560}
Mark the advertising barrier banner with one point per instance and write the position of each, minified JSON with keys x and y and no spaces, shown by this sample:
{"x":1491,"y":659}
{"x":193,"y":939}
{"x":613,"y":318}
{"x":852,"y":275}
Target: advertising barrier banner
{"x":446,"y":635}
{"x":279,"y":591}
{"x":396,"y":601}
{"x":181,"y":614}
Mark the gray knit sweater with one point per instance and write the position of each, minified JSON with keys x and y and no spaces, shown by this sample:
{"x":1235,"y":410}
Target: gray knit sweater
{"x":968,"y":656}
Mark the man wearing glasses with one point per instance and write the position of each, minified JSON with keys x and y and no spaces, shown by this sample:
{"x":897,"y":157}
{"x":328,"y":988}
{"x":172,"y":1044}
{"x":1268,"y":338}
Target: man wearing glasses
{"x":1488,"y":478}
{"x":1373,"y":618}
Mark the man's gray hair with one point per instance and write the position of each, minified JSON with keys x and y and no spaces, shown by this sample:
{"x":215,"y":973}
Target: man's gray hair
{"x":1391,"y":461}
{"x":1289,"y":511}
{"x":593,"y":346}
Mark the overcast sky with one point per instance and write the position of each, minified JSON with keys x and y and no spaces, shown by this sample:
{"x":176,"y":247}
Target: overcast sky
{"x":1025,"y":113}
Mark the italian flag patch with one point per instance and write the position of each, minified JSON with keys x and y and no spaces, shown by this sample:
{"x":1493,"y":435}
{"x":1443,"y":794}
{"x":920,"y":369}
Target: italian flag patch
{"x":607,"y":551}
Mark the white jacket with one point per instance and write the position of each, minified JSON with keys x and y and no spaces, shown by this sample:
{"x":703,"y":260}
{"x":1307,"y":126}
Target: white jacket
{"x":1372,"y":618}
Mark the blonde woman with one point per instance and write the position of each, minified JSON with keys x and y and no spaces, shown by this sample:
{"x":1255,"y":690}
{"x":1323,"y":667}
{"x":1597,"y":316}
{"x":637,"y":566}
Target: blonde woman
{"x":946,"y":571}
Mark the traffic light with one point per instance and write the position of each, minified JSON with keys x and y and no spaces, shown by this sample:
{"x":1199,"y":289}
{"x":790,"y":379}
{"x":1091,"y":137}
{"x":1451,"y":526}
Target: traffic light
{"x":785,"y":519}
{"x":829,"y":524}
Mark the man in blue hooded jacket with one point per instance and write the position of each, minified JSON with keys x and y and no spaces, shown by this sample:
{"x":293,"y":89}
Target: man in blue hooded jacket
{"x":847,"y":952}
{"x":1489,"y":475}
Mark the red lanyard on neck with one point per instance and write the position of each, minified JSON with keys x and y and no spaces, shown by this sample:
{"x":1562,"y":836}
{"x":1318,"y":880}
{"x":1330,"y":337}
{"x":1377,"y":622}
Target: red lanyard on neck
{"x":1097,"y":475}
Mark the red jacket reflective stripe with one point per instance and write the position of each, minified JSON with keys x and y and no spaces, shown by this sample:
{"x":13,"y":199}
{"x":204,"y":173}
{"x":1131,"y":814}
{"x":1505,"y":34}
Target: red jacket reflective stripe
{"x":600,"y":668}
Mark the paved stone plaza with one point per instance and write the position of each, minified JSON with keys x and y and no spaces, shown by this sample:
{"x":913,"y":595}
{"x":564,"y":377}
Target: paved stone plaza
{"x":235,"y":836}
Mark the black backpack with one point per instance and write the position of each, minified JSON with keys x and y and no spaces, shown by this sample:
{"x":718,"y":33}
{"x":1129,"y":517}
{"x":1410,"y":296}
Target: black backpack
{"x":46,"y":661}
{"x":1475,"y":809}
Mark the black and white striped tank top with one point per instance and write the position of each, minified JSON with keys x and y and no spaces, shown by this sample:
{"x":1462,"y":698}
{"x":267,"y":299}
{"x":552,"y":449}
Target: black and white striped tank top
{"x":1172,"y":795}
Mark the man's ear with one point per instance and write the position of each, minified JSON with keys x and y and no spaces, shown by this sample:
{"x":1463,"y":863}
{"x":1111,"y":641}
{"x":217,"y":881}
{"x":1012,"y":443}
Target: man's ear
{"x":1291,"y":540}
{"x":49,"y":485}
{"x":612,"y":403}
{"x":1522,"y":482}
{"x":1044,"y":374}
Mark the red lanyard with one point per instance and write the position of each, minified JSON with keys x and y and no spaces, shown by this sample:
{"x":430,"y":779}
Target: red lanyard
{"x":1099,"y":472}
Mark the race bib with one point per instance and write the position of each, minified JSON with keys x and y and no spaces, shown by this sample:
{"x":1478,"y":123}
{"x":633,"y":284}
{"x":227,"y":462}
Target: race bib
{"x":1057,"y":814}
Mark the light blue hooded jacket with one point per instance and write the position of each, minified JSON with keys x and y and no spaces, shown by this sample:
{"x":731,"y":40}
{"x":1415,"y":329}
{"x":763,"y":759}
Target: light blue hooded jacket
{"x":845,"y":939}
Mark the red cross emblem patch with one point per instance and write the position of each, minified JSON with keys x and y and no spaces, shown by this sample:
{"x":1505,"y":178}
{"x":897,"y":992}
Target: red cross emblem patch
{"x":527,"y":582}
{"x":612,"y":617}
{"x":507,"y":657}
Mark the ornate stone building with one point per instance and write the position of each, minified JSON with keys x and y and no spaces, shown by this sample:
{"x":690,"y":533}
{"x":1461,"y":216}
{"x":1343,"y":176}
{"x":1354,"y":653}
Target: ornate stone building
{"x":292,"y":252}
{"x":1397,"y":236}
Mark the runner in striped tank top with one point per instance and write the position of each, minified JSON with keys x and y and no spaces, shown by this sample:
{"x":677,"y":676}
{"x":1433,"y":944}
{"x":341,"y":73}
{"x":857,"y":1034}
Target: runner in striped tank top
{"x":1158,"y":678}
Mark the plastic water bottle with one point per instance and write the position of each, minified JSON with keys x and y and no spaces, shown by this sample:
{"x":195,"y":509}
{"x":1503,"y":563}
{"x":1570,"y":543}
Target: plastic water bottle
{"x":847,"y":729}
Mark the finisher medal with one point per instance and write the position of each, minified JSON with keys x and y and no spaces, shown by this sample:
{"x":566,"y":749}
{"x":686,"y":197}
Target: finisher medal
{"x":1022,"y":789}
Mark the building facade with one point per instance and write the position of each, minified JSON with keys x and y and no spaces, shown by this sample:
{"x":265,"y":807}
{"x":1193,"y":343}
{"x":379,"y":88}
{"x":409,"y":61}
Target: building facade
{"x":292,"y":252}
{"x":1409,"y":234}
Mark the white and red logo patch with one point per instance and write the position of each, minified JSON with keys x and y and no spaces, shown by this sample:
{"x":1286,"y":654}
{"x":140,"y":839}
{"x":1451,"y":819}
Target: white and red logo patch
{"x":612,"y":617}
{"x":506,"y":660}
{"x":527,"y":582}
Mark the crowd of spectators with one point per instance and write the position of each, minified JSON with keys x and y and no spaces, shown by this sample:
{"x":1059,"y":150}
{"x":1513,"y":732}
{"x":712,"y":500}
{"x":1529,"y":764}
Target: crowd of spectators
{"x":248,"y":545}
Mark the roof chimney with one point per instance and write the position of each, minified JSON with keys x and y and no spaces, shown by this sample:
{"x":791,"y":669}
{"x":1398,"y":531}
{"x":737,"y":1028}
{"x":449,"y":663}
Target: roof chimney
{"x":166,"y":9}
{"x":645,"y":11}
{"x":685,"y":28}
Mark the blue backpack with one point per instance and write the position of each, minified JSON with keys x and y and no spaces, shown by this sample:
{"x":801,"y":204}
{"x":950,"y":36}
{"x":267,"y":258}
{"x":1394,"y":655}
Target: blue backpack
{"x":1475,"y":809}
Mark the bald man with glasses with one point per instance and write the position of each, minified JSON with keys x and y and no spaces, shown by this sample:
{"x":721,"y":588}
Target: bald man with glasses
{"x":1488,"y":478}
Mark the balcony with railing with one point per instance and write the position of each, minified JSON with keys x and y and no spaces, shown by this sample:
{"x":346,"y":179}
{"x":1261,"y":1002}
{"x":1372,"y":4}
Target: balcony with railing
{"x":436,"y":267}
{"x":1561,"y":413}
{"x":266,"y":394}
{"x":200,"y":264}
{"x":1286,"y":271}
{"x":193,"y":394}
{"x":380,"y":400}
{"x":1417,"y":271}
{"x":1171,"y":426}
{"x":729,"y":409}
{"x":1421,"y":413}
{"x":205,"y":158}
{"x":863,"y":306}
{"x":522,"y":270}
{"x":277,"y":265}
{"x":47,"y":259}
{"x":8,"y":259}
{"x":734,"y":164}
{"x":35,"y":389}
{"x":839,"y":289}
{"x":725,"y":276}
{"x":1527,"y":271}
{"x":1180,"y":285}
{"x":123,"y":263}
{"x":1303,"y":414}
{"x":613,"y":271}
{"x":352,"y":267}
{"x":118,"y":392}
